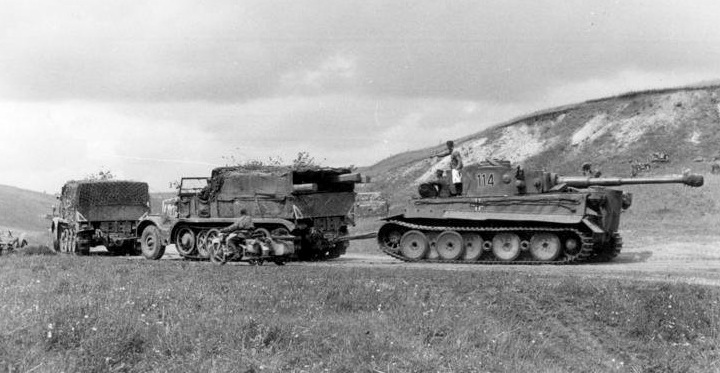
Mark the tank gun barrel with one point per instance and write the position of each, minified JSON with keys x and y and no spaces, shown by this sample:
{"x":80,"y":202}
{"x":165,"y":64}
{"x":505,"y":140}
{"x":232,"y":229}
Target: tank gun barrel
{"x":347,"y":178}
{"x":693,"y":180}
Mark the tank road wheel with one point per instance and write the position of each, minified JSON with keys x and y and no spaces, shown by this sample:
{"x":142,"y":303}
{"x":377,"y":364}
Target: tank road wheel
{"x":185,"y":241}
{"x":450,"y":245}
{"x":545,"y":246}
{"x":209,"y":237}
{"x":432,"y":242}
{"x":473,"y":246}
{"x":506,"y":246}
{"x":151,"y":243}
{"x":201,"y":242}
{"x":390,"y":238}
{"x":572,"y":246}
{"x":414,"y":245}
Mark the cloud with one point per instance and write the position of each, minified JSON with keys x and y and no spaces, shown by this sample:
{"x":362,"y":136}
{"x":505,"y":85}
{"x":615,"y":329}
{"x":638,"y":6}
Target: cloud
{"x":46,"y":145}
{"x":163,"y":89}
{"x":231,"y":51}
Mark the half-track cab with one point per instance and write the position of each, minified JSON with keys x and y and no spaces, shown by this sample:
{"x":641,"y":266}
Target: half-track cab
{"x":310,"y":208}
{"x":92,"y":213}
{"x":510,"y":215}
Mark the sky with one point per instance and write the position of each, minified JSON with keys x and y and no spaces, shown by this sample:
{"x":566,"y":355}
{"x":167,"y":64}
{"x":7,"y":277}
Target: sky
{"x":157,"y":90}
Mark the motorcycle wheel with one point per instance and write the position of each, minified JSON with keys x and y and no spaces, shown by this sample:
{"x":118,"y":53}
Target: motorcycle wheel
{"x":217,"y":254}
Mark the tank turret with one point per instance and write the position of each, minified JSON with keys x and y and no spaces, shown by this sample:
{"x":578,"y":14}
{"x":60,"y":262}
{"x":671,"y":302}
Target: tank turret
{"x":507,"y":214}
{"x":500,"y":179}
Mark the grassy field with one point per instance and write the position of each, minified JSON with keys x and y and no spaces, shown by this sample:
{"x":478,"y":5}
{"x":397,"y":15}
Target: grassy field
{"x":103,"y":314}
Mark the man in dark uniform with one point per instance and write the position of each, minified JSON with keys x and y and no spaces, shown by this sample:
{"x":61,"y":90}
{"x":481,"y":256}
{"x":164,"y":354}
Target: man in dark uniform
{"x":441,"y":185}
{"x":456,"y":166}
{"x":243,"y":222}
{"x":241,"y":227}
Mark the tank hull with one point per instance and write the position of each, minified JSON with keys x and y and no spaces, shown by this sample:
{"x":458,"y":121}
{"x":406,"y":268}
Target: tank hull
{"x":560,"y":228}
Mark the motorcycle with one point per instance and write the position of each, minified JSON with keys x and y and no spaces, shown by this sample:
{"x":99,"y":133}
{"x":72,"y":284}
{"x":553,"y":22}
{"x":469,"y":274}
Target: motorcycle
{"x":10,"y":243}
{"x":254,"y":246}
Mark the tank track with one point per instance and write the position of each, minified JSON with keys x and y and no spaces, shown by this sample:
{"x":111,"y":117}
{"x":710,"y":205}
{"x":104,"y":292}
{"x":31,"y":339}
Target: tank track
{"x":611,"y":253}
{"x":585,"y":254}
{"x":197,"y":228}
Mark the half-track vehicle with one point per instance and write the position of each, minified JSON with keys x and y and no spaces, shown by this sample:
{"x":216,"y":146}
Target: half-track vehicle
{"x":508,"y":215}
{"x":310,"y":209}
{"x":92,"y":213}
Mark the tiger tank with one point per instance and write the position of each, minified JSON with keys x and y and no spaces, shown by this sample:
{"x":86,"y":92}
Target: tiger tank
{"x":509,"y":215}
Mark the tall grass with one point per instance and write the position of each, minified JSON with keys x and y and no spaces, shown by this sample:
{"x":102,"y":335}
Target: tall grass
{"x":111,"y":314}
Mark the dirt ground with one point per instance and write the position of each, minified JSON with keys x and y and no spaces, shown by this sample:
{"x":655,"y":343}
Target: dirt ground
{"x":694,"y":260}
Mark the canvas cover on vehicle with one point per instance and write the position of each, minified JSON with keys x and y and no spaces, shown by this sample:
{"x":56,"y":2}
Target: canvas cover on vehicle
{"x":262,"y":193}
{"x":106,"y":200}
{"x":241,"y":185}
{"x":269,"y":192}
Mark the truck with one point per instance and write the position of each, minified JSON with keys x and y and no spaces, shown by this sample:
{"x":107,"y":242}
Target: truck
{"x":99,"y":212}
{"x":311,"y":208}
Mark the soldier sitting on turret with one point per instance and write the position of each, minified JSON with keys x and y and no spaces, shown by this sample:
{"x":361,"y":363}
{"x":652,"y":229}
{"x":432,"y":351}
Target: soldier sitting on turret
{"x":441,"y":185}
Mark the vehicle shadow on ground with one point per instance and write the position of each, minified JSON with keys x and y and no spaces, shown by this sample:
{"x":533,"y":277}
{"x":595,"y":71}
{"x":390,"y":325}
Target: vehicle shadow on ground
{"x":636,"y":257}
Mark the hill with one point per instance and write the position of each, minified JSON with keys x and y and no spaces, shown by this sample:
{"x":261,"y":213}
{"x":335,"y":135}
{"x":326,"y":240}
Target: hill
{"x":610,"y":133}
{"x":24,"y":210}
{"x":681,"y":122}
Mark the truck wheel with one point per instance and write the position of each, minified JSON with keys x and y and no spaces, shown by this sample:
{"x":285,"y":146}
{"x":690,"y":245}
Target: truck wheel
{"x":55,"y":233}
{"x":80,"y":244}
{"x":82,"y":247}
{"x":133,"y":248}
{"x":151,"y":243}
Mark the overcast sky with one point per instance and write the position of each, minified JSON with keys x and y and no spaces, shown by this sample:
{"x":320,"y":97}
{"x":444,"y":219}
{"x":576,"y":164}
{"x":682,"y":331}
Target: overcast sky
{"x":156,"y":90}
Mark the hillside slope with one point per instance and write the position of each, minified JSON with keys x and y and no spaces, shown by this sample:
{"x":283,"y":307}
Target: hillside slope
{"x":24,"y":210}
{"x":683,"y":123}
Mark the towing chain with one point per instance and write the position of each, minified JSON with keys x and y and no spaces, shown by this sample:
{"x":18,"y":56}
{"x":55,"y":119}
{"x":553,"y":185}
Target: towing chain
{"x":583,"y":255}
